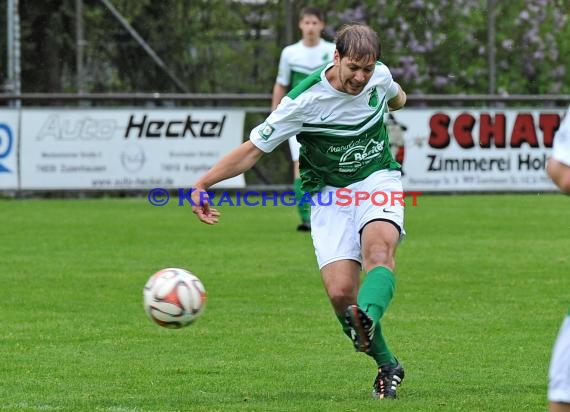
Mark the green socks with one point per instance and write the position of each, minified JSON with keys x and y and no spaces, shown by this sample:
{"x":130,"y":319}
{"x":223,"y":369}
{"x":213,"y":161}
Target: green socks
{"x":376,"y":292}
{"x":304,"y":208}
{"x":374,"y":297}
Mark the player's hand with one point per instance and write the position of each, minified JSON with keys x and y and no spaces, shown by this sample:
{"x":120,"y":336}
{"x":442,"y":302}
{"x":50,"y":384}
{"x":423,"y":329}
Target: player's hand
{"x":202,"y":210}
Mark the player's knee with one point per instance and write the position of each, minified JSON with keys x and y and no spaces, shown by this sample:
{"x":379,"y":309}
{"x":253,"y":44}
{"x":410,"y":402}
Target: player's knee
{"x":340,"y":297}
{"x":379,"y":255}
{"x":564,"y":183}
{"x":560,"y":175}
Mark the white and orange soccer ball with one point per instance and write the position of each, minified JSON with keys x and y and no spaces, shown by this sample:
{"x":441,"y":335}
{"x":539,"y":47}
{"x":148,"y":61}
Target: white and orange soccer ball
{"x":174,"y":298}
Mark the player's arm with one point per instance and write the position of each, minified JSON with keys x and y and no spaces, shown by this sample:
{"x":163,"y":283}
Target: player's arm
{"x":398,"y":101}
{"x":560,"y":174}
{"x":234,"y":163}
{"x":279,"y":91}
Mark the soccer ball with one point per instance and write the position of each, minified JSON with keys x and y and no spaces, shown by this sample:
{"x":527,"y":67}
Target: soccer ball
{"x":174,"y":298}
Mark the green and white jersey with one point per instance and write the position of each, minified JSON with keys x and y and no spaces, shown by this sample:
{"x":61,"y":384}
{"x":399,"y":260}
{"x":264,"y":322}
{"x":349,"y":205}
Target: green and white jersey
{"x":343,"y":137}
{"x":298,"y":61}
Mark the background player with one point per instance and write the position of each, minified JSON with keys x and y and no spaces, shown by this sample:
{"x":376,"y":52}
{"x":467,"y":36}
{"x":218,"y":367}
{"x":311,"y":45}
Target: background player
{"x":297,"y":61}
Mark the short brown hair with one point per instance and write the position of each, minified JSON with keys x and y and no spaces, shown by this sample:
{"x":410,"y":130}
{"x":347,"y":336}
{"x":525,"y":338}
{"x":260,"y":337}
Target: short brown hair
{"x":312,"y":11}
{"x":357,"y":41}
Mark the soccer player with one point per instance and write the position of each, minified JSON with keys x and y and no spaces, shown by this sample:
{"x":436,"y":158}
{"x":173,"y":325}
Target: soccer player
{"x":297,"y":61}
{"x":558,"y":169}
{"x":338,"y":115}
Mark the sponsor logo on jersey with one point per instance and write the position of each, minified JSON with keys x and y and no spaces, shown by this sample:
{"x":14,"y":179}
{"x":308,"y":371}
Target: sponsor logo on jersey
{"x":358,"y":156}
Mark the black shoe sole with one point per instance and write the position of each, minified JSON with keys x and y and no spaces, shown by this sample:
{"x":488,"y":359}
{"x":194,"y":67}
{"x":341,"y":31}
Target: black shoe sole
{"x":353,"y":318}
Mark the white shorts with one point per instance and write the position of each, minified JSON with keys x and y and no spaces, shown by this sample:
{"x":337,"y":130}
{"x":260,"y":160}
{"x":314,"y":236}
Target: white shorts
{"x":294,"y":147}
{"x":559,"y":372}
{"x":337,"y":219}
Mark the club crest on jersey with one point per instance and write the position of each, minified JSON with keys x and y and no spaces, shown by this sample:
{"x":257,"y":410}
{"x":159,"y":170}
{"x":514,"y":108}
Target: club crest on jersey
{"x":266,"y":131}
{"x":373,"y":98}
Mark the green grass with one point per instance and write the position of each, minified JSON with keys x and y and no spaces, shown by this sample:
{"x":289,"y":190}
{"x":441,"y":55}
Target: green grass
{"x":482,"y":288}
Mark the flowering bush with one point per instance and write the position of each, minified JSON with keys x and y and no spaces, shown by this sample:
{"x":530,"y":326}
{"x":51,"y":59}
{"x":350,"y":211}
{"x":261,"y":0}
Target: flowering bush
{"x":233,"y":46}
{"x":442,"y":46}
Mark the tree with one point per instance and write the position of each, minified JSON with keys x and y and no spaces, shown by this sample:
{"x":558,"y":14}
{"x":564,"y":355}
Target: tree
{"x":233,"y":46}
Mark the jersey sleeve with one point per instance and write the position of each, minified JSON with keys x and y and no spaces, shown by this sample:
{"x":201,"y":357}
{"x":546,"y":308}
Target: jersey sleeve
{"x":386,"y":82}
{"x":284,"y":70}
{"x":392,"y":90}
{"x":283,"y":123}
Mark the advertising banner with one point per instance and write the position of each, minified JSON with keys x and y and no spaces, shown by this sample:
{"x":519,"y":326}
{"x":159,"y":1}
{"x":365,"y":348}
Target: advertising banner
{"x":133,"y":148}
{"x":9,"y":149}
{"x":474,"y":150}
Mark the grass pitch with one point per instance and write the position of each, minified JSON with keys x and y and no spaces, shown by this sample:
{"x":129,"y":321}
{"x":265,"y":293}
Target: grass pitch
{"x":482,"y":287}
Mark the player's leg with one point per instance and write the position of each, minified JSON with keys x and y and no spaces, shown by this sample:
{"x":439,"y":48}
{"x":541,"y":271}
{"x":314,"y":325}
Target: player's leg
{"x":559,"y":407}
{"x":303,"y":208}
{"x":559,"y":371}
{"x":341,"y":280}
{"x":560,"y":174}
{"x":337,"y":248}
{"x":381,"y":229}
{"x":379,"y":241}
